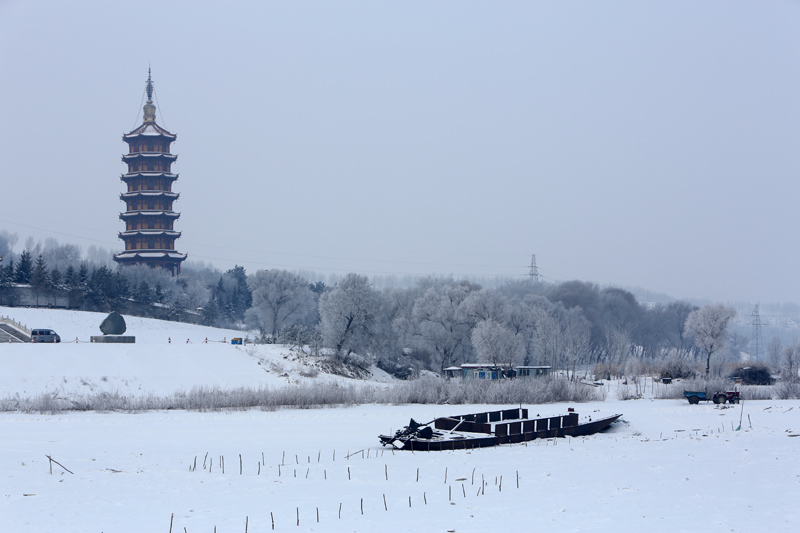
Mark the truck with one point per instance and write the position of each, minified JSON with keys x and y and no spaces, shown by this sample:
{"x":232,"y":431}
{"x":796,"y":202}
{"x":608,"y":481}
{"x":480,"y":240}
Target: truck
{"x":696,"y":397}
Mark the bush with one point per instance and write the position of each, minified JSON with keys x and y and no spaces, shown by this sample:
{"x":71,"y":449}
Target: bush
{"x":678,"y":369}
{"x":757,"y":374}
{"x":429,"y":390}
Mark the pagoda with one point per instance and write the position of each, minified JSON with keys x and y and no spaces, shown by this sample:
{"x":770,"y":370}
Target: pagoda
{"x":148,"y":236}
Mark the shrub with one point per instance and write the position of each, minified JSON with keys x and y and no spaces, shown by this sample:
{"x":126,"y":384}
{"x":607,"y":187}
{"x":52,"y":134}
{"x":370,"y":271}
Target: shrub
{"x":678,"y":369}
{"x":757,"y":374}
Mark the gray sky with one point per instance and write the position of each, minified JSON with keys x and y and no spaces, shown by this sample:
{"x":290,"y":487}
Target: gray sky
{"x":639,"y":143}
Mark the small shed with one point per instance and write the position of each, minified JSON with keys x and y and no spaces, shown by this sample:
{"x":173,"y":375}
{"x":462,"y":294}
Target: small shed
{"x":452,"y":372}
{"x":532,"y":371}
{"x":484,"y":371}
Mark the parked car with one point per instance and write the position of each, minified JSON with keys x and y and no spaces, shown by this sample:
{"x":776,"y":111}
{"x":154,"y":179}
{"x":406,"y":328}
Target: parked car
{"x":44,"y":335}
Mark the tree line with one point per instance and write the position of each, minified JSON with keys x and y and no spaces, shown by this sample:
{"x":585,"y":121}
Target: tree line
{"x":432,"y":324}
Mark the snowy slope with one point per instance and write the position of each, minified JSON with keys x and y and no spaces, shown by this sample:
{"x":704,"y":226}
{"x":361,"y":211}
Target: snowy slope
{"x":161,"y":362}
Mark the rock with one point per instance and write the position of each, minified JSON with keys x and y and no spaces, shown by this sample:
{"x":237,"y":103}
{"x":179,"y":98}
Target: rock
{"x":113,"y":324}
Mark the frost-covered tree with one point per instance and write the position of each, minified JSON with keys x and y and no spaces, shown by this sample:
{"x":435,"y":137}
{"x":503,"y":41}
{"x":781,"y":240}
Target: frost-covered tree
{"x":7,"y":242}
{"x":280,"y":299}
{"x":497,"y":344}
{"x":708,"y":328}
{"x":441,"y":324}
{"x":347,"y":315}
{"x":486,"y":304}
{"x":791,"y":361}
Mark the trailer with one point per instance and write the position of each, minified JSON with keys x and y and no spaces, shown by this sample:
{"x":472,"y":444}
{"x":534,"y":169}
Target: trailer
{"x":696,"y":397}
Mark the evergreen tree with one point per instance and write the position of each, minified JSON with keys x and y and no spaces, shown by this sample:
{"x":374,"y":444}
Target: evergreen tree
{"x":39,"y":278}
{"x":144,"y":294}
{"x":24,"y":269}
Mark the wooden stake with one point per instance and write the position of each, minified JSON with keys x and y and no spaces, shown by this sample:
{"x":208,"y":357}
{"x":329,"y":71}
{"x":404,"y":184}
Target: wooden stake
{"x":362,"y":505}
{"x":445,"y":475}
{"x":59,"y":464}
{"x":317,"y":516}
{"x":409,"y":502}
{"x":501,"y":483}
{"x":473,"y":476}
{"x":271,"y":518}
{"x":463,"y":490}
{"x":307,"y":470}
{"x":259,"y":469}
{"x":517,"y":478}
{"x":204,"y":462}
{"x":246,"y":521}
{"x":386,"y":471}
{"x":425,"y":497}
{"x":348,"y":473}
{"x":298,"y":516}
{"x":240,"y":464}
{"x":340,"y":510}
{"x":450,"y":493}
{"x":172,"y":516}
{"x":417,"y":474}
{"x":384,"y":502}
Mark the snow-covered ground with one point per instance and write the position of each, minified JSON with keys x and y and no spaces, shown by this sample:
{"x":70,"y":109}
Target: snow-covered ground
{"x":161,"y":362}
{"x":669,"y":466}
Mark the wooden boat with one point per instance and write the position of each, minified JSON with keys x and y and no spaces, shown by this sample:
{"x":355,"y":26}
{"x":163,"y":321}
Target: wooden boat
{"x":492,"y":428}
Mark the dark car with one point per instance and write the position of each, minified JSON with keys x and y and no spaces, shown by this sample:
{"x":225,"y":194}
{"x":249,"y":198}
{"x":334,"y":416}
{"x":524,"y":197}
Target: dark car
{"x":44,"y":335}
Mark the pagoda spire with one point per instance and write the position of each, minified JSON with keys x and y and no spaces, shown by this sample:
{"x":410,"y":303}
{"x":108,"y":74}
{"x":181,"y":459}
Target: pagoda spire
{"x":149,"y":108}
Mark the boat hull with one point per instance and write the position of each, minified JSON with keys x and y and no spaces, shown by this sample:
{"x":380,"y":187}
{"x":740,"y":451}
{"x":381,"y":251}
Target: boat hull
{"x":483,"y":434}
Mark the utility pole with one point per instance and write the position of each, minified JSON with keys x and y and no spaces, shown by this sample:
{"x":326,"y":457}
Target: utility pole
{"x":756,"y":339}
{"x":533,"y":274}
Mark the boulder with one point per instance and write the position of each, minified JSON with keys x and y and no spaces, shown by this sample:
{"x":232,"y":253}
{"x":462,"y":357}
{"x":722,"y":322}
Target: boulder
{"x":113,"y":324}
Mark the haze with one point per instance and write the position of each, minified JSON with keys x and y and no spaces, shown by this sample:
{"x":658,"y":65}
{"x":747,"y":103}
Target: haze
{"x":650,"y":144}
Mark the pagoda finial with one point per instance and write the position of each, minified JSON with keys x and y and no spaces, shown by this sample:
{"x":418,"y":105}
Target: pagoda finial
{"x":149,"y":85}
{"x":149,"y":108}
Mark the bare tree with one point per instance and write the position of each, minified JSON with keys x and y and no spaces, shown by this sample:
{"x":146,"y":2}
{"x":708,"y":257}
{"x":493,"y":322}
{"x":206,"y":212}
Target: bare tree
{"x":497,"y":344}
{"x":279,"y":299}
{"x":708,"y":327}
{"x":791,"y":361}
{"x":440,"y":324}
{"x":347,"y":315}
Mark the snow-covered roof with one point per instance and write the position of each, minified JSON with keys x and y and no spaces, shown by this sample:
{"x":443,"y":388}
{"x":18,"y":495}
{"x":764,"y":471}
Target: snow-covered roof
{"x":149,"y":129}
{"x":149,"y":155}
{"x":150,"y":233}
{"x":134,"y":254}
{"x":150,"y":194}
{"x":128,"y":214}
{"x":148,"y":174}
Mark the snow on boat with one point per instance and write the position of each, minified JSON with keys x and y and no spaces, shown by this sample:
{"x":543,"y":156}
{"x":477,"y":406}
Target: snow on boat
{"x":492,"y":428}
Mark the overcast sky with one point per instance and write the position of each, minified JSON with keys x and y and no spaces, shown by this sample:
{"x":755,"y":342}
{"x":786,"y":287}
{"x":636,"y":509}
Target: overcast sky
{"x":638,"y":143}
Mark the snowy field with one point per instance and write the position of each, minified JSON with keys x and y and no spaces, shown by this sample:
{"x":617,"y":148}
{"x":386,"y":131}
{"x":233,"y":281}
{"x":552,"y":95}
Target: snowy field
{"x":668,"y":466}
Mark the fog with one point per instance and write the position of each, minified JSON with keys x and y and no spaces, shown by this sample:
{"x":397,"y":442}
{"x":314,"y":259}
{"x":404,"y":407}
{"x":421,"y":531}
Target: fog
{"x":643,"y":143}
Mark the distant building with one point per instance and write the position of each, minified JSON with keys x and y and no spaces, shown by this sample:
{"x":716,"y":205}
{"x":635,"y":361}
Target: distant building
{"x":149,"y":237}
{"x":493,"y":372}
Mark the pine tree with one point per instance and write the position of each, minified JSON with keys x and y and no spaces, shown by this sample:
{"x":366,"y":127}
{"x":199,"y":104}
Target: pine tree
{"x":39,"y":278}
{"x":24,"y":269}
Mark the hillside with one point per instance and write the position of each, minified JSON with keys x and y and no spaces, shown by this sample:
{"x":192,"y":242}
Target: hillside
{"x":161,"y":362}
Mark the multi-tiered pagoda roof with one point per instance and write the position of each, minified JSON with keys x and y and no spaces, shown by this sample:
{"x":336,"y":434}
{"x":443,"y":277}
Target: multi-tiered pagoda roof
{"x":149,"y":236}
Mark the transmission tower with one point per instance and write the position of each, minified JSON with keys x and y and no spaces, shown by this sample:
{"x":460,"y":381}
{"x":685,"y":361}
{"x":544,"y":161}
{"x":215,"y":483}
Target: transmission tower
{"x":756,"y":339}
{"x":534,"y":272}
